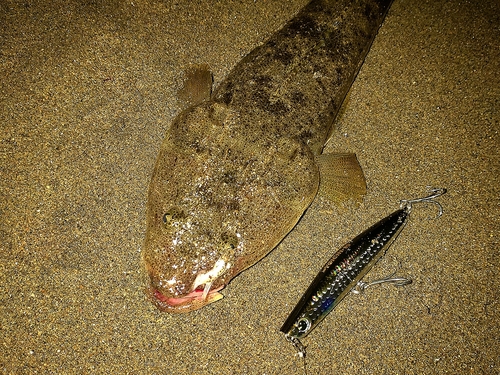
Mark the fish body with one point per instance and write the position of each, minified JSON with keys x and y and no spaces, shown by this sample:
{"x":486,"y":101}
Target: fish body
{"x":236,"y":172}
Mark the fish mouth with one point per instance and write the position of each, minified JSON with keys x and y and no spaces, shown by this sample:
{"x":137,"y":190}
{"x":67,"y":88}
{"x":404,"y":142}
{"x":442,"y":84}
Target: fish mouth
{"x":192,"y":301}
{"x":200,"y":294}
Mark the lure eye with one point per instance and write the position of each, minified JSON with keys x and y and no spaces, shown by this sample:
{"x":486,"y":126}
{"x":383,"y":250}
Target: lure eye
{"x":303,"y":325}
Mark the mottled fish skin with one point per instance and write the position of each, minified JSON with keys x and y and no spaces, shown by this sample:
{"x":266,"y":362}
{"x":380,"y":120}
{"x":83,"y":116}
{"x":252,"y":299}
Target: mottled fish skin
{"x":295,"y":83}
{"x":236,"y":173}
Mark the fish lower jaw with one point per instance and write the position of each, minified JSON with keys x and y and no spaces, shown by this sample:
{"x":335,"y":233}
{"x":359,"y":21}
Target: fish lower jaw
{"x":189,"y":302}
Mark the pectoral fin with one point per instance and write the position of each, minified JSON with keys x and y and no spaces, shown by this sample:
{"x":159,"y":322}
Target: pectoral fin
{"x":341,"y":178}
{"x":197,"y":85}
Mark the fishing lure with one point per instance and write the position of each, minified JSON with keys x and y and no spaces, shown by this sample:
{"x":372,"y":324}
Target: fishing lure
{"x":343,"y":272}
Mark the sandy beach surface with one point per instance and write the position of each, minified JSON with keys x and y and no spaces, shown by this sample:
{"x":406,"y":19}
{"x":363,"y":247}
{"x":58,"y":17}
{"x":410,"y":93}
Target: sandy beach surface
{"x":87,"y":91}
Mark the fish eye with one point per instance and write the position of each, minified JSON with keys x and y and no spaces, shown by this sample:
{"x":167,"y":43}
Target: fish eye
{"x":229,"y":240}
{"x":173,"y":214}
{"x":303,"y":325}
{"x":167,"y":218}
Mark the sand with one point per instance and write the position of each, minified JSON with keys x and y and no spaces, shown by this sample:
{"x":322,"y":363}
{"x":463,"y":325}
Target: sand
{"x":87,"y":93}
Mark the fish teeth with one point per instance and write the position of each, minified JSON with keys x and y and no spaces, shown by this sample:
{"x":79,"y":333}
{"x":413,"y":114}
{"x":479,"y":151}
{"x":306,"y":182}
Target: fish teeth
{"x":208,"y":277}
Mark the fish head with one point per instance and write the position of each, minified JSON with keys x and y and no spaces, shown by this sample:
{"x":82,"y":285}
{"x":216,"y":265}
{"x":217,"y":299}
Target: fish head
{"x":192,"y":240}
{"x":191,"y":246}
{"x":218,"y":203}
{"x":187,"y":262}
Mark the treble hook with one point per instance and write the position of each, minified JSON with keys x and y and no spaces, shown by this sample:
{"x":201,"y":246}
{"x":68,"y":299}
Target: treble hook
{"x":301,"y":350}
{"x":436,"y":192}
{"x":398,"y":281}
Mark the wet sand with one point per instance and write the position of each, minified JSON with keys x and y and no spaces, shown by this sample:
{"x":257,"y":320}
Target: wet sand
{"x":87,"y":93}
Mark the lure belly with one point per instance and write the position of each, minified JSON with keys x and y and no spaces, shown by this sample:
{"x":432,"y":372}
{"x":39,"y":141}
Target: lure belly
{"x":345,"y":270}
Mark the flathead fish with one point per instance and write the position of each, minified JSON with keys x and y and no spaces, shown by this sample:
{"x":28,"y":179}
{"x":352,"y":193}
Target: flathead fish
{"x":236,"y":171}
